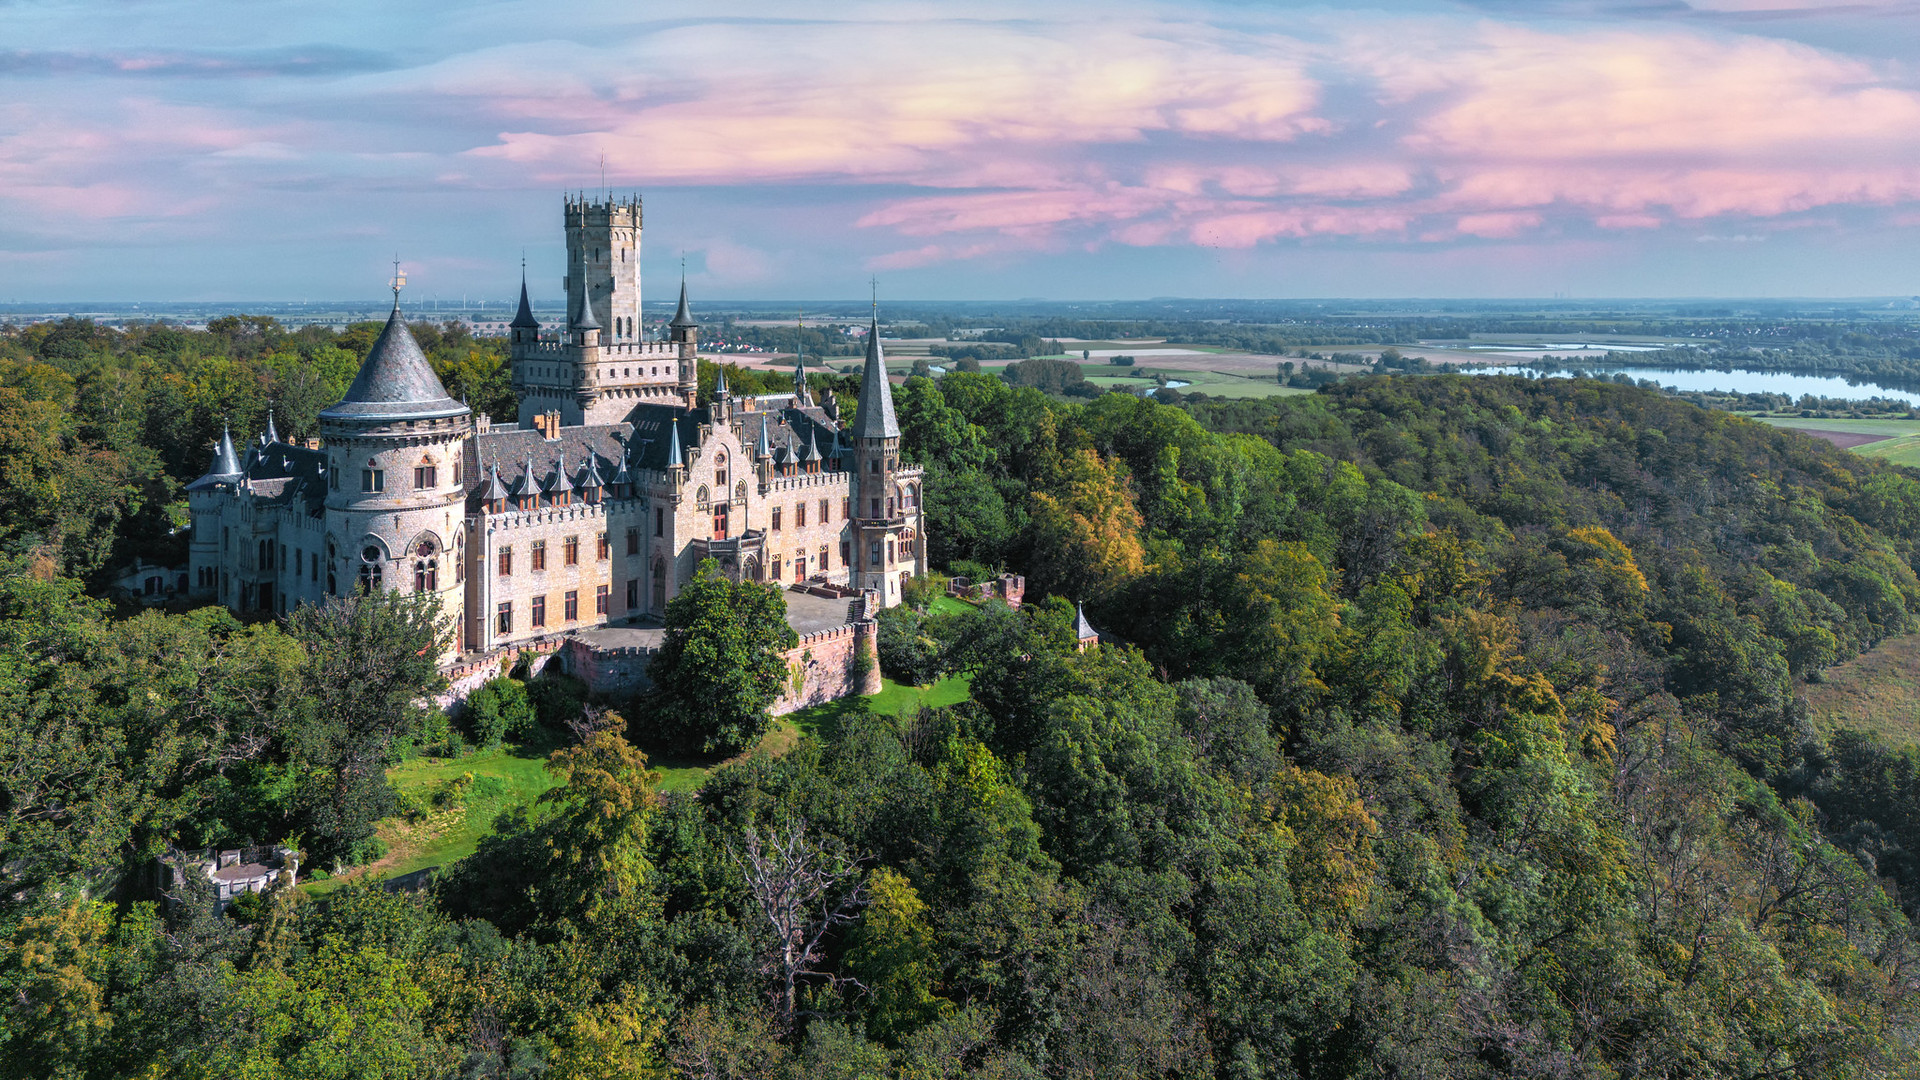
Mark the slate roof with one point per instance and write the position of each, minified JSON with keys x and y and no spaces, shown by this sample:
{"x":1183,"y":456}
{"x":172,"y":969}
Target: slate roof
{"x":523,"y":319}
{"x":395,"y":382}
{"x":876,"y":420}
{"x":515,"y":451}
{"x":682,"y":316}
{"x":225,"y":467}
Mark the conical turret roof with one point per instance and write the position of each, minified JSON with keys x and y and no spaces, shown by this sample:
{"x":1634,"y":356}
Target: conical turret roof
{"x":272,"y":434}
{"x":876,"y":394}
{"x":523,"y":319}
{"x":395,"y":382}
{"x":624,"y":475}
{"x":1082,"y":629}
{"x":674,"y":457}
{"x":720,"y":382}
{"x":225,"y":467}
{"x":683,"y":316}
{"x":764,"y":450}
{"x":560,"y":482}
{"x":584,"y":320}
{"x":592,"y":479}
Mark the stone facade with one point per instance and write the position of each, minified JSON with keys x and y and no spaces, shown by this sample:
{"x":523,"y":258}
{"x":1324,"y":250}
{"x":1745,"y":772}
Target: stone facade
{"x":593,"y":510}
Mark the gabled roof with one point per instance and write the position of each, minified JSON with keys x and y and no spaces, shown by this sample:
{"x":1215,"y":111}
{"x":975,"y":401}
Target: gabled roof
{"x":395,"y":382}
{"x":876,"y":394}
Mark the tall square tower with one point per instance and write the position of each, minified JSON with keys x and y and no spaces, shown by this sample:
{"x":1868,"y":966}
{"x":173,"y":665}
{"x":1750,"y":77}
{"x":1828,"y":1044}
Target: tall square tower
{"x":603,"y":264}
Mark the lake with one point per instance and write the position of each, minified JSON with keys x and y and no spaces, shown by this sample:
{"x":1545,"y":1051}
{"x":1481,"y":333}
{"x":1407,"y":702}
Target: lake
{"x":1738,"y":381}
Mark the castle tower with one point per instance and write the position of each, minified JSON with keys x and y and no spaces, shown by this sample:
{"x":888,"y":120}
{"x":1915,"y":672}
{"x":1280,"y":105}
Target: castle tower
{"x":603,"y":264}
{"x":524,"y":330}
{"x":395,"y":504}
{"x":206,"y":558}
{"x":685,"y":334}
{"x":879,"y":555}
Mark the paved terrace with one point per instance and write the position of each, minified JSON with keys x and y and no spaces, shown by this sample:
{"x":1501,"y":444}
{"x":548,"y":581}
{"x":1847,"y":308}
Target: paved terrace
{"x":806,"y":613}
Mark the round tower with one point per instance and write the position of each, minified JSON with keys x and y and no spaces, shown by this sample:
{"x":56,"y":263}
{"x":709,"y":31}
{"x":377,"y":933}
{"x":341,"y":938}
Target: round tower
{"x":685,"y":333}
{"x":395,"y":504}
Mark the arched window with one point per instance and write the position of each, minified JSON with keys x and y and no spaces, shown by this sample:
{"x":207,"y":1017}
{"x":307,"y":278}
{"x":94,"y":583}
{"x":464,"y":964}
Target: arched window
{"x":740,"y":490}
{"x":371,"y":573}
{"x":720,"y":470}
{"x":459,"y":557}
{"x":333,"y":586}
{"x":426,"y":568}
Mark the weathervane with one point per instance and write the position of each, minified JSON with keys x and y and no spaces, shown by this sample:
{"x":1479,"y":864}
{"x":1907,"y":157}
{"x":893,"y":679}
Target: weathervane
{"x":399,"y":280}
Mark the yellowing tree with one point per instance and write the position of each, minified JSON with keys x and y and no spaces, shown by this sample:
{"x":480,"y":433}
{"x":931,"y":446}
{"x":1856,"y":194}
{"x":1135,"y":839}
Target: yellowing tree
{"x":1085,"y":530}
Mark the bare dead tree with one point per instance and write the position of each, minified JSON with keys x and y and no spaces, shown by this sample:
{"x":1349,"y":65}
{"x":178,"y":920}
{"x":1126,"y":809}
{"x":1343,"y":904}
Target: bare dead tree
{"x":801,"y":891}
{"x":592,"y":720}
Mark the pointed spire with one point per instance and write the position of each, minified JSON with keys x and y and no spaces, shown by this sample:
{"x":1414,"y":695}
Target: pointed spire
{"x":800,"y":394}
{"x":876,"y":420}
{"x":720,"y":383}
{"x":584,"y":319}
{"x":395,"y":381}
{"x":225,"y":461}
{"x":683,"y":316}
{"x":592,"y":480}
{"x":523,"y":319}
{"x":272,"y":434}
{"x":624,"y":475}
{"x":528,"y":487}
{"x":674,"y":458}
{"x":1082,"y":629}
{"x":495,"y":491}
{"x":560,"y":483}
{"x":764,"y":451}
{"x":812,"y":452}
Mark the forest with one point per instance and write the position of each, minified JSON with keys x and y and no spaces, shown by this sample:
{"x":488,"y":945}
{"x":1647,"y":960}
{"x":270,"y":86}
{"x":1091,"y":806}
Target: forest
{"x":1441,"y":727}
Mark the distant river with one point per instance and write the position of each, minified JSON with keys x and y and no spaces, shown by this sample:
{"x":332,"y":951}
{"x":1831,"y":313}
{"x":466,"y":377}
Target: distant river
{"x":1738,"y":381}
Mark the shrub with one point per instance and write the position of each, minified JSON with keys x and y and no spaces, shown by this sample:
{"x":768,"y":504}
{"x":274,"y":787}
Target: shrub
{"x":499,"y":709}
{"x":557,"y":700}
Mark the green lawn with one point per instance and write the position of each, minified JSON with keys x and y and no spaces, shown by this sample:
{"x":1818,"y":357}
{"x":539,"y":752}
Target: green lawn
{"x":502,"y":778}
{"x":1904,"y":451}
{"x":948,"y":605}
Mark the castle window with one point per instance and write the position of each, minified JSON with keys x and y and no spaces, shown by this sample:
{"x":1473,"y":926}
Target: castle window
{"x":573,"y":605}
{"x":333,"y":477}
{"x":424,"y":477}
{"x":826,"y":507}
{"x":539,"y":560}
{"x":633,"y":594}
{"x":824,"y":563}
{"x":873,"y":554}
{"x":846,"y":507}
{"x":332,"y":586}
{"x":659,"y":521}
{"x":503,"y":618}
{"x":876,"y":508}
{"x":456,"y":470}
{"x":601,"y":598}
{"x":426,"y":575}
{"x":370,"y":574}
{"x":659,"y":583}
{"x":373,"y":480}
{"x":299,"y":562}
{"x":740,"y":490}
{"x":573,"y":551}
{"x":720,"y":472}
{"x":776,"y":521}
{"x":539,"y":618}
{"x":602,"y":549}
{"x":889,"y":553}
{"x":846,"y":553}
{"x":799,"y":515}
{"x":506,"y":562}
{"x":633,"y":541}
{"x":773,"y":567}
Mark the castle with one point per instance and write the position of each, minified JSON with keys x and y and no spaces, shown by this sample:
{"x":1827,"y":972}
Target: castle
{"x":595,"y":509}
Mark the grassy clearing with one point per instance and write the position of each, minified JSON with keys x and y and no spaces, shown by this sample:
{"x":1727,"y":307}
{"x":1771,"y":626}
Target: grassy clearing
{"x":1905,"y":451}
{"x":1881,"y":426}
{"x":502,"y":779}
{"x":948,"y":605}
{"x":1877,"y":691}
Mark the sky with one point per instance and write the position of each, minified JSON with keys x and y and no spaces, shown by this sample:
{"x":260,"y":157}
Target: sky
{"x":204,"y":150}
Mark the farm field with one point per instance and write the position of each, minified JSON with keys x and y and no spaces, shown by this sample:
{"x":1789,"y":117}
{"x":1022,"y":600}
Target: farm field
{"x":1877,"y":691}
{"x":1892,"y":440}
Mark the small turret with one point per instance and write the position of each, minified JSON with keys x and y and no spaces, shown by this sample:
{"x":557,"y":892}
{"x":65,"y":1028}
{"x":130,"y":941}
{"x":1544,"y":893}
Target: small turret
{"x":675,"y":459}
{"x":272,"y":434}
{"x":225,"y":467}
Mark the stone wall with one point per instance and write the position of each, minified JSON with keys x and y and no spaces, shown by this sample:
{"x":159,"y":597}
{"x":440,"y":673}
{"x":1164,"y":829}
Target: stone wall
{"x":824,"y":664}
